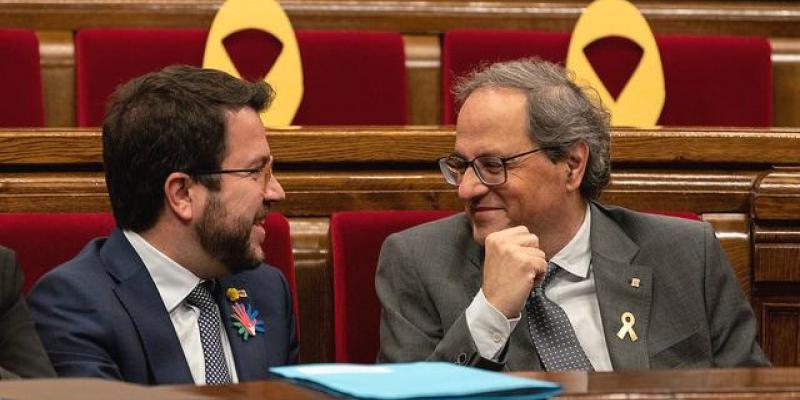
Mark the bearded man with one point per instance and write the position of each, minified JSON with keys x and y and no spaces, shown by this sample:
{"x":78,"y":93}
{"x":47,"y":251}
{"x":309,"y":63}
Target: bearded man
{"x":178,"y":292}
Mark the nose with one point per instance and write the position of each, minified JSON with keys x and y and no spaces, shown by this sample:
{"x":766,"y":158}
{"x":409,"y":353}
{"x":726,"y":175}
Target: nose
{"x":470,"y":186}
{"x":274,"y":191}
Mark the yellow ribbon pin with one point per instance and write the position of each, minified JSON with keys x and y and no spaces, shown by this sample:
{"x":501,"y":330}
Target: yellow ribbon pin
{"x":627,"y":327}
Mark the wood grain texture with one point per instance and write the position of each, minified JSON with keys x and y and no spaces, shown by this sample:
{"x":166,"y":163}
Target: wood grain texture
{"x":777,"y":19}
{"x":777,"y":195}
{"x":425,"y":144}
{"x":733,"y":232}
{"x":777,"y":262}
{"x":780,"y":328}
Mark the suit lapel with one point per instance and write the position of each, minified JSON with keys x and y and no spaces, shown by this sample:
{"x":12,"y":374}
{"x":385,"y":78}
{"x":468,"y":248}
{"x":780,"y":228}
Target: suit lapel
{"x":249,"y":356}
{"x":140,"y":298}
{"x":613,"y":253}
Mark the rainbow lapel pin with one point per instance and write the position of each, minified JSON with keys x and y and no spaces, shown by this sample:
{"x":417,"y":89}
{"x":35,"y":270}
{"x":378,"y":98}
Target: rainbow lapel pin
{"x":244,"y":319}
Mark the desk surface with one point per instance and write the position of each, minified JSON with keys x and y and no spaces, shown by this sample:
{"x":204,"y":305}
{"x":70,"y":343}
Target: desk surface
{"x":772,"y":383}
{"x":767,"y":383}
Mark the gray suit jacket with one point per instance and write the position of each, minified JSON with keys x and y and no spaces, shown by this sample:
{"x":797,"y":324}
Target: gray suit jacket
{"x":689,"y":309}
{"x":21,"y":351}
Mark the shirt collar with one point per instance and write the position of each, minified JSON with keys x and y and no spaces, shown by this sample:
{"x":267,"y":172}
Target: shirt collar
{"x":576,"y":256}
{"x":173,"y":281}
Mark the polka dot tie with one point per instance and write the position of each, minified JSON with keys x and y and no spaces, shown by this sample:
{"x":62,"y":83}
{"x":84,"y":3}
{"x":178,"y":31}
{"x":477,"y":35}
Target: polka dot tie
{"x":551,"y":331}
{"x":209,"y":322}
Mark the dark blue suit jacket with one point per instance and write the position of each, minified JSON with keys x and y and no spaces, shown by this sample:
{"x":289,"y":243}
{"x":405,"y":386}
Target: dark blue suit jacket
{"x":100,"y":315}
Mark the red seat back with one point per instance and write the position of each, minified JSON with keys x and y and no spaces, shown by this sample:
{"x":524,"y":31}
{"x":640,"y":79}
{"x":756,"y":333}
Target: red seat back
{"x":356,"y":239}
{"x":22,"y":102}
{"x":43,"y":241}
{"x":709,"y":80}
{"x":278,"y":251}
{"x":350,"y":78}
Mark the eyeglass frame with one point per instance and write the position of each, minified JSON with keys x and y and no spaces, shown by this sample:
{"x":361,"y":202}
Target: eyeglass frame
{"x":263,"y":171}
{"x":442,"y":162}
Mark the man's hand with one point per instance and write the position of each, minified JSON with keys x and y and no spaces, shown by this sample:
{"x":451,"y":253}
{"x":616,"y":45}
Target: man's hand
{"x":513,"y":265}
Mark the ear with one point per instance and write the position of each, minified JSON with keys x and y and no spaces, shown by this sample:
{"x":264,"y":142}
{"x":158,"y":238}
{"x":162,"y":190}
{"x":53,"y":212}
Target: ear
{"x":178,"y":195}
{"x":576,"y":161}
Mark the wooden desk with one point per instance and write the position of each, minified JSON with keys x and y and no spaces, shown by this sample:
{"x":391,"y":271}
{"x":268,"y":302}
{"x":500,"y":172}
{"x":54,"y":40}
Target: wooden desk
{"x":764,"y":383}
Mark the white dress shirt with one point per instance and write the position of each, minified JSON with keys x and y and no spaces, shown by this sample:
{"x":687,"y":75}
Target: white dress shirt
{"x":572,"y":288}
{"x":174,"y":283}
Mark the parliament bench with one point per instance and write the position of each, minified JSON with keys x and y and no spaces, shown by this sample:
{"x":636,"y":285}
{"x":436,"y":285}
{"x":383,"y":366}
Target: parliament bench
{"x":746,"y":182}
{"x":422,"y":27}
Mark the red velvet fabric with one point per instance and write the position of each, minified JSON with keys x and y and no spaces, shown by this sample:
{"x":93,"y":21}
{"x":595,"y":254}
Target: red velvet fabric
{"x":278,"y":252}
{"x":43,"y":241}
{"x":350,"y":78}
{"x":356,"y":239}
{"x":21,"y":104}
{"x":710,"y":80}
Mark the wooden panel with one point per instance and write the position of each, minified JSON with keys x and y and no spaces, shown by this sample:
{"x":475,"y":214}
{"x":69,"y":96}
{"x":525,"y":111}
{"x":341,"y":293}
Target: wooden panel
{"x":697,"y":191}
{"x":786,"y":81}
{"x":776,"y":19}
{"x":423,"y":55}
{"x":780,"y":327}
{"x":314,"y":287}
{"x":733,"y":232}
{"x":57,"y":53}
{"x":424,"y":144}
{"x":777,"y":262}
{"x":778,"y":195}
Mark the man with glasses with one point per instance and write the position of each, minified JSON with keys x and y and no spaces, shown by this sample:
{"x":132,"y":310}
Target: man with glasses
{"x":535,"y":274}
{"x":178,"y":293}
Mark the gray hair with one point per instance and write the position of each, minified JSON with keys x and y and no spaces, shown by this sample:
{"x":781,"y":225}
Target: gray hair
{"x":560,"y":113}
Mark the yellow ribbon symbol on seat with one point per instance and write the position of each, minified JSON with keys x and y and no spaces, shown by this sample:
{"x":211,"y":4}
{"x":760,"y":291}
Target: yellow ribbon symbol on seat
{"x":627,"y":327}
{"x":286,"y":75}
{"x":640,"y":102}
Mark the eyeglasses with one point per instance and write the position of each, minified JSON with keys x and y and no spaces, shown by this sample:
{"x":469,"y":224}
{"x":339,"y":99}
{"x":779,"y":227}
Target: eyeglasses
{"x":490,"y":170}
{"x":262,"y":174}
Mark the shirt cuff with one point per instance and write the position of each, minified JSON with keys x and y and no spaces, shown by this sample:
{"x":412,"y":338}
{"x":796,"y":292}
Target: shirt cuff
{"x":490,"y":329}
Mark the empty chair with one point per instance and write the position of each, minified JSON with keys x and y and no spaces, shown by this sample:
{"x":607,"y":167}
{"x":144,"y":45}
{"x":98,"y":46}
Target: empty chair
{"x":21,"y":104}
{"x":350,"y":78}
{"x":709,"y":80}
{"x":356,"y":238}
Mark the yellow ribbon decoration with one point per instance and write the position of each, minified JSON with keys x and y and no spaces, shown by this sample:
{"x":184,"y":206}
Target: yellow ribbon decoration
{"x":286,"y":75}
{"x":627,"y":327}
{"x":641,"y":100}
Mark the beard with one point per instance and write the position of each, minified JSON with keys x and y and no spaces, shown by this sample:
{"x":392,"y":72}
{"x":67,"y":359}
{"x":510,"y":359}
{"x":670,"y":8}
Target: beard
{"x":228,"y":243}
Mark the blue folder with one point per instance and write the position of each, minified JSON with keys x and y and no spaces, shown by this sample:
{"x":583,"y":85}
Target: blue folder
{"x":421,"y":380}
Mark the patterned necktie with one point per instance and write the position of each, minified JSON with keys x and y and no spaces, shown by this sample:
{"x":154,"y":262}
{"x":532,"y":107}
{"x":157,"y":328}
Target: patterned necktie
{"x":551,"y":331}
{"x":216,"y":367}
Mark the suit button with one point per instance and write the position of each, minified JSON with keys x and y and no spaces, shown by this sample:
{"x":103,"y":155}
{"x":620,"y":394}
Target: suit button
{"x":461,"y":359}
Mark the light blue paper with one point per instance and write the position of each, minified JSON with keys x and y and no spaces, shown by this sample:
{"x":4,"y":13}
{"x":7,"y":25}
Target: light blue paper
{"x":437,"y":380}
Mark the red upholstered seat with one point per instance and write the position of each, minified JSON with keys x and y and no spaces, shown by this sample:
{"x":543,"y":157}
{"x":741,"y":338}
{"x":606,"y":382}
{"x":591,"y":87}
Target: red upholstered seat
{"x":278,"y":251}
{"x":710,"y":80}
{"x":21,"y":103}
{"x":351,"y":78}
{"x":43,"y":241}
{"x":356,"y":239}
